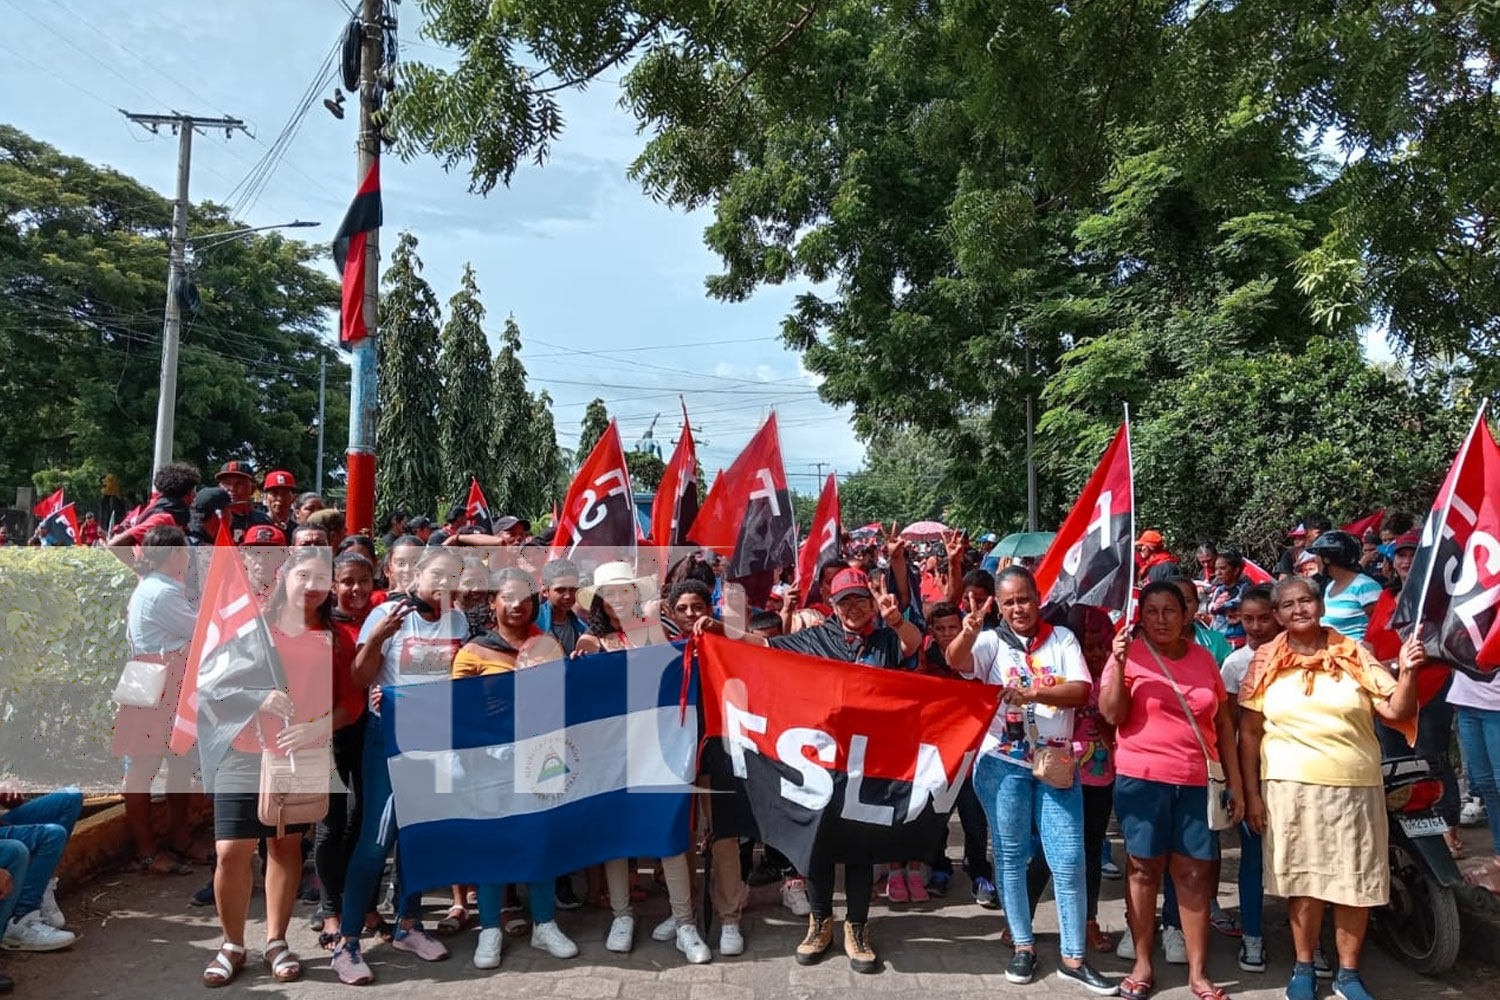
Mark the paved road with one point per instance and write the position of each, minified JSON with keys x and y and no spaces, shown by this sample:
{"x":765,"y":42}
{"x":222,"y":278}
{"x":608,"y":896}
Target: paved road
{"x":140,"y":939}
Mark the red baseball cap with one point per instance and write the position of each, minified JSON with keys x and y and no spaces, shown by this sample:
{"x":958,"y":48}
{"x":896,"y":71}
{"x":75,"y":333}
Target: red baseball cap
{"x":279,"y":479}
{"x":1410,"y":540}
{"x":849,"y":583}
{"x":1150,"y":537}
{"x":263,"y":534}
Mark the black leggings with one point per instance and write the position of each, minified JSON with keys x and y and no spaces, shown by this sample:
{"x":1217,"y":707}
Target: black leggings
{"x":336,"y":834}
{"x":859,"y":882}
{"x":1098,"y":801}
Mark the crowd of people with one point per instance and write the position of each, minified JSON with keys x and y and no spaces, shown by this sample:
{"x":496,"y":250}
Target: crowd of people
{"x":1221,"y":706}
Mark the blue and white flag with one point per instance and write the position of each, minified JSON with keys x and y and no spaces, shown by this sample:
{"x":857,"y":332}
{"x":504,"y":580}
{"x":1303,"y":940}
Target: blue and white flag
{"x":524,"y":776}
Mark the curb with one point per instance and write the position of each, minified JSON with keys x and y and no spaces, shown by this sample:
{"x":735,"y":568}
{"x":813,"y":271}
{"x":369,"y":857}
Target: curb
{"x":102,"y":843}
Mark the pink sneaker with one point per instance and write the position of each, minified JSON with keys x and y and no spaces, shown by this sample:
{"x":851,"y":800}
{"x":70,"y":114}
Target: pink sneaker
{"x":895,"y":886}
{"x":915,"y":886}
{"x":421,"y":944}
{"x":349,"y":965}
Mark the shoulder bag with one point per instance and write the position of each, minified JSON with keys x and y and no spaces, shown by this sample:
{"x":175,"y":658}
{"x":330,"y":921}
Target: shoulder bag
{"x":142,"y":682}
{"x":1218,"y":787}
{"x":294,"y":788}
{"x":1055,"y":766}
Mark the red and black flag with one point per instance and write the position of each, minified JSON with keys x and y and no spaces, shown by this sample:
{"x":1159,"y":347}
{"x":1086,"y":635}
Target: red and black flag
{"x":748,"y":517}
{"x":365,"y":213}
{"x":1453,"y":588}
{"x":676,"y":504}
{"x":599,"y":511}
{"x":49,"y":505}
{"x":232,"y":664}
{"x":1090,"y":561}
{"x":478,"y":508}
{"x":1370,"y":522}
{"x":863,"y":765}
{"x":823,"y":543}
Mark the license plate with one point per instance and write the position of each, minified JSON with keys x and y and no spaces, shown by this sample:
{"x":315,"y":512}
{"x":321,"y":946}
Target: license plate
{"x":1423,"y":826}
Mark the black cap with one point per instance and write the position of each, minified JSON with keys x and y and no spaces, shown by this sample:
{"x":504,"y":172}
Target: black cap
{"x":507,"y":522}
{"x":418,"y":523}
{"x":456,"y":512}
{"x":211,"y":500}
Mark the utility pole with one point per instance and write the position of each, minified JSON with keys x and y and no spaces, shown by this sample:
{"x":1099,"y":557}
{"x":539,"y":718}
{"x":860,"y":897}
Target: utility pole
{"x":360,"y":503}
{"x":322,"y":403}
{"x":820,"y":471}
{"x":171,"y":329}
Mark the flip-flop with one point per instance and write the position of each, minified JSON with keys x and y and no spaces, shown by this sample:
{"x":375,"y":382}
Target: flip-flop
{"x":514,"y":923}
{"x":1136,"y":989}
{"x":456,"y":920}
{"x":1212,"y":993}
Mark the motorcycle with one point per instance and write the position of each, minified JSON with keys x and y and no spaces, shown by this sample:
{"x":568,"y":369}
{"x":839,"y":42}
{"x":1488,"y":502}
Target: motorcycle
{"x":1420,"y":924}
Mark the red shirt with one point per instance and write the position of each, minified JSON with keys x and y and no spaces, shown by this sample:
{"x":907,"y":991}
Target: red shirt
{"x":310,"y":661}
{"x":346,"y":694}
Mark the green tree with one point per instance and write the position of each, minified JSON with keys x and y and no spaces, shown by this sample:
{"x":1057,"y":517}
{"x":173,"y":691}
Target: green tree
{"x":646,"y":470}
{"x":409,"y":472}
{"x":464,"y":402}
{"x":595,"y":423}
{"x":549,"y":464}
{"x":82,"y":273}
{"x":511,"y":453}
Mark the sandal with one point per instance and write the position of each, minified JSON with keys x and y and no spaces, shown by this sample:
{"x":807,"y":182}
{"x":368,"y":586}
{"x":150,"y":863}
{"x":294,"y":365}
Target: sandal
{"x":382,"y":929}
{"x":456,"y":920}
{"x":514,"y":922}
{"x":227,"y":963}
{"x":159,"y":864}
{"x":1212,"y":993}
{"x":329,"y":941}
{"x":1136,"y":989}
{"x":1098,"y":940}
{"x":284,"y":964}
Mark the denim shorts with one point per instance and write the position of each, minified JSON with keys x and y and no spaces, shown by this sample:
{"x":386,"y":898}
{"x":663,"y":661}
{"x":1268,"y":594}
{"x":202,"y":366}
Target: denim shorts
{"x":1158,"y":819}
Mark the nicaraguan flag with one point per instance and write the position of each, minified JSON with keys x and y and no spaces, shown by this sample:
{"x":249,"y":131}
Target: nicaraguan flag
{"x":524,"y":776}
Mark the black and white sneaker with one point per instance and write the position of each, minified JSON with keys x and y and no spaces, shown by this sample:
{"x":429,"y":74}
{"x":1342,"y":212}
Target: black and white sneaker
{"x":566,"y":898}
{"x":1022,"y":968}
{"x":1090,"y":980}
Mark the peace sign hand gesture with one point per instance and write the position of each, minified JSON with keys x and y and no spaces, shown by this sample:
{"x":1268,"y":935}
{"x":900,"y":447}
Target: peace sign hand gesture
{"x":956,"y":544}
{"x":886,"y":603}
{"x":975,"y":619}
{"x":895,"y":545}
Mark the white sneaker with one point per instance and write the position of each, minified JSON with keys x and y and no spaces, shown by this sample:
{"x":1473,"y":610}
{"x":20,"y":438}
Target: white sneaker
{"x":1174,"y":946}
{"x":30,"y":933}
{"x":1471,"y":813}
{"x":691,"y":944}
{"x":666,"y":930}
{"x":487,"y":954}
{"x":621,"y":934}
{"x":52,"y":916}
{"x":794,"y":897}
{"x":731,"y":941}
{"x":549,"y":937}
{"x":1126,"y":948}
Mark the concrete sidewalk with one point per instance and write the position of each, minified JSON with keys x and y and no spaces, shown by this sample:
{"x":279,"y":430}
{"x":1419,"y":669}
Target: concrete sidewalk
{"x":140,"y":939}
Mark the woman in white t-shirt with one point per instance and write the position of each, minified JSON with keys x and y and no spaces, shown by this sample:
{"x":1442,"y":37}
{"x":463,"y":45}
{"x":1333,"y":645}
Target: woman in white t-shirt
{"x":411,"y":640}
{"x":1044,"y":677}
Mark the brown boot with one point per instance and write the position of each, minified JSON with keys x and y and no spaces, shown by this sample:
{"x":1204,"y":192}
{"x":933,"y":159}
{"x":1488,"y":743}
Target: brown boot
{"x":819,"y":937}
{"x":857,"y":947}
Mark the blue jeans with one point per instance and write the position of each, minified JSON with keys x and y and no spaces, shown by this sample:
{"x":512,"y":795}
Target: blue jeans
{"x":1479,"y":739}
{"x":377,"y":836}
{"x":1252,"y":881}
{"x":43,"y":826}
{"x":540,"y":896}
{"x":16,"y":859}
{"x":1013,"y":799}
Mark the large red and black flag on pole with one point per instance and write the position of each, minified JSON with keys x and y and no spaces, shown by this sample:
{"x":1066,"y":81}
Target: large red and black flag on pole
{"x":1453,"y":588}
{"x":477,"y":507}
{"x":748,"y":517}
{"x":824,"y":541}
{"x":858,"y":765}
{"x":232,"y":665}
{"x":1090,"y":561}
{"x":599,"y":511}
{"x":676,"y":504}
{"x":365,"y":214}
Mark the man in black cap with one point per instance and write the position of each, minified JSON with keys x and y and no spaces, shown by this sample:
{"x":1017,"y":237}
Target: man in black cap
{"x":421,"y":527}
{"x":458,"y":517}
{"x":238,"y":480}
{"x":203,"y":522}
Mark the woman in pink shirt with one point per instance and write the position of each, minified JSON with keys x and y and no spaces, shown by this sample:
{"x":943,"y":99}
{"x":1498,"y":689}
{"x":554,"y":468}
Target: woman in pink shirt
{"x":1162,"y":777}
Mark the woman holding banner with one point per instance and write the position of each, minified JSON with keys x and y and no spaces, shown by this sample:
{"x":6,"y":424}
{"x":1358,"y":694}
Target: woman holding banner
{"x":1313,"y":784}
{"x":1026,"y":773}
{"x":616,"y":610}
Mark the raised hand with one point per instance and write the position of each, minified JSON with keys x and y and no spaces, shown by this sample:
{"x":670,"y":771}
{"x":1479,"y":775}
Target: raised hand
{"x":956,"y":543}
{"x":1121,"y":646}
{"x":886,"y":603}
{"x":975,"y":619}
{"x":895,"y":545}
{"x":1413,"y":653}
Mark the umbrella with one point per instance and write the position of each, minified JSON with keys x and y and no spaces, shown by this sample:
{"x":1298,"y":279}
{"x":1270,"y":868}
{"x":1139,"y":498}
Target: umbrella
{"x":924,"y":529}
{"x":1023,"y":544}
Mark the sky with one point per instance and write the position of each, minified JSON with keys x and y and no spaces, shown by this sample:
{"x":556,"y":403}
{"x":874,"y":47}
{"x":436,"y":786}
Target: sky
{"x":602,"y":281}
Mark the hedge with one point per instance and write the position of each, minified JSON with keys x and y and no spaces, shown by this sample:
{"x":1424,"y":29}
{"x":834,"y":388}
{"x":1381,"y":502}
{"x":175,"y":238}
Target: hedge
{"x":62,"y":645}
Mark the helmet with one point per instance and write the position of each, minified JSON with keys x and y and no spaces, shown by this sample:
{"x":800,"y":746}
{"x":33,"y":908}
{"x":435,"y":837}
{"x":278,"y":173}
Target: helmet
{"x":1338,"y":547}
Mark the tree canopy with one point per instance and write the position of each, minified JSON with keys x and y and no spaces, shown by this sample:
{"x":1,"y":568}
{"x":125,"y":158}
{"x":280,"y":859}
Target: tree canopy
{"x":83,"y":270}
{"x":409,"y":472}
{"x":465,"y":403}
{"x":595,"y":423}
